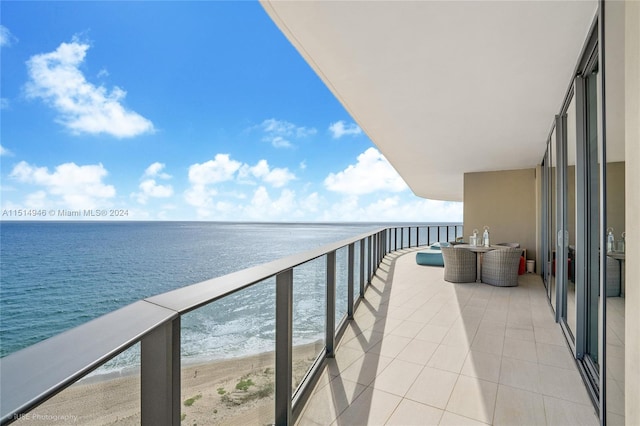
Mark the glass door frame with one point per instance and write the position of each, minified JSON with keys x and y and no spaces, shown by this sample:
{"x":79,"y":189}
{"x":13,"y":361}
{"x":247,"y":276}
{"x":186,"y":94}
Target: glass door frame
{"x":590,"y":193}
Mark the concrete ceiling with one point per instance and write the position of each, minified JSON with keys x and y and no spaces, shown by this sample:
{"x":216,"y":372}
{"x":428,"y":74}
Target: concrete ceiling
{"x":444,"y":87}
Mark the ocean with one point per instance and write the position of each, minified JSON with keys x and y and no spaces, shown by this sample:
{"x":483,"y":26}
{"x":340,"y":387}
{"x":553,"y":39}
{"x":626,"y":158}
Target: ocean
{"x":57,"y":275}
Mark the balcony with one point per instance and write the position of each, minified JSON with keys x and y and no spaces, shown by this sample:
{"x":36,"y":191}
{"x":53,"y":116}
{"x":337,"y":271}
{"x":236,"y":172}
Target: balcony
{"x":424,"y":351}
{"x":412,"y":348}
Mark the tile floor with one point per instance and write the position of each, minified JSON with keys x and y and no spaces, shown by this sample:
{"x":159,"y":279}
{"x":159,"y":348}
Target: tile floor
{"x":422,"y":351}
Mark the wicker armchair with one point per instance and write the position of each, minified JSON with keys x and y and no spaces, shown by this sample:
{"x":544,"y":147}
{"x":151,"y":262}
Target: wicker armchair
{"x":459,"y":265}
{"x":512,"y":245}
{"x":613,"y":277}
{"x":500,"y":267}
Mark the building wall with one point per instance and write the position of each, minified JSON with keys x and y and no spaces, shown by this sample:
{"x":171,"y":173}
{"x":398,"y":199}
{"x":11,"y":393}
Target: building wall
{"x":538,"y":212}
{"x":632,"y":208}
{"x":616,"y":197}
{"x":505,"y":201}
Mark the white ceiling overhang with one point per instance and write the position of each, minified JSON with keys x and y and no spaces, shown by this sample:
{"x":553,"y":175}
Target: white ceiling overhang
{"x":444,"y":87}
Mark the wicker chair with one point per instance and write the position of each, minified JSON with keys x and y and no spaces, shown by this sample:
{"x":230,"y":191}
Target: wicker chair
{"x":500,"y":267}
{"x":459,"y":265}
{"x":512,"y":245}
{"x":613,"y":277}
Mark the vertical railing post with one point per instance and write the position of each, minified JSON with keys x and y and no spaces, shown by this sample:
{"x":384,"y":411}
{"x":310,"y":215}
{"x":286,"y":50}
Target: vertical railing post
{"x":370,"y":260}
{"x":331,"y":304}
{"x":374,"y":253}
{"x":160,"y":375}
{"x":284,"y":343}
{"x":384,"y":242}
{"x":439,"y":229}
{"x":350,"y":276}
{"x":362,"y":268}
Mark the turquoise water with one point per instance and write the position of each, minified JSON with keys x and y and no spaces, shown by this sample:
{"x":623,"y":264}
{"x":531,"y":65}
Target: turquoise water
{"x":57,"y":275}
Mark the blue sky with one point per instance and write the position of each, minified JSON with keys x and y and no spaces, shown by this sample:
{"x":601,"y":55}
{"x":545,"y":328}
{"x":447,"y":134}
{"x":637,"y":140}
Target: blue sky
{"x":181,"y":111}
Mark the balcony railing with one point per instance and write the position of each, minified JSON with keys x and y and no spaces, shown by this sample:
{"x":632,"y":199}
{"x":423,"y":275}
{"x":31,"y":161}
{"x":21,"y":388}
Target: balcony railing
{"x":37,"y":373}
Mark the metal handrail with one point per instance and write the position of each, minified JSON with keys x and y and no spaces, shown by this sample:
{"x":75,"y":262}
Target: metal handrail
{"x":34,"y":374}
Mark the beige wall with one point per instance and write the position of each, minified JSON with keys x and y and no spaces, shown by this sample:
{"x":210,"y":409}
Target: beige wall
{"x":615,"y":197}
{"x":632,"y":208}
{"x":505,"y":201}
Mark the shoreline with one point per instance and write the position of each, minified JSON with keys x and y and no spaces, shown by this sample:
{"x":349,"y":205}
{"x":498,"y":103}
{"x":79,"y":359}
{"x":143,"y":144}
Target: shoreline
{"x":234,"y":391}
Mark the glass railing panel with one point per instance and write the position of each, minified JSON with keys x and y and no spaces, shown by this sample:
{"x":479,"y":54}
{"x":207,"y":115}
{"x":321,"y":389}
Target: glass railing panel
{"x":309,"y":313}
{"x":366,"y":261}
{"x":228,"y":359}
{"x":342,"y":263}
{"x":405,"y":237}
{"x":110,"y":394}
{"x":433,"y":234}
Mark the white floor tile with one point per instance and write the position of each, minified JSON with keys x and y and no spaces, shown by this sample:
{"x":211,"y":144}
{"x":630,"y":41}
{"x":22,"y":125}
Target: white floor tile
{"x":561,"y":412}
{"x":518,"y":407}
{"x":411,"y":413}
{"x":474,"y":398}
{"x":482,"y":365}
{"x":432,"y":387}
{"x":449,"y":358}
{"x":371,"y":407}
{"x":397,"y":377}
{"x":418,"y":351}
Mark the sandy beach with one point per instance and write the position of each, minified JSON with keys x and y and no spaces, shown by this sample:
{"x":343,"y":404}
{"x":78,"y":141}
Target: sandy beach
{"x":238,"y":391}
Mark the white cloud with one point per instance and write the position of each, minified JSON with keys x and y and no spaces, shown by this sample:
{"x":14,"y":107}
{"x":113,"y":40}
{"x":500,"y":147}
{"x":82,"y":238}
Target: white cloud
{"x":208,"y":200}
{"x":262,"y":207}
{"x":278,"y":142}
{"x":311,"y":203}
{"x":6,"y":38}
{"x":55,"y":78}
{"x":5,"y":152}
{"x":73,"y":186}
{"x":279,"y":132}
{"x":202,"y":176}
{"x":149,"y":188}
{"x":154,"y":171}
{"x":4,"y":103}
{"x":200,"y":196}
{"x":220,"y":169}
{"x":372,"y":173}
{"x":277,"y":177}
{"x":37,"y":200}
{"x":340,"y":128}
